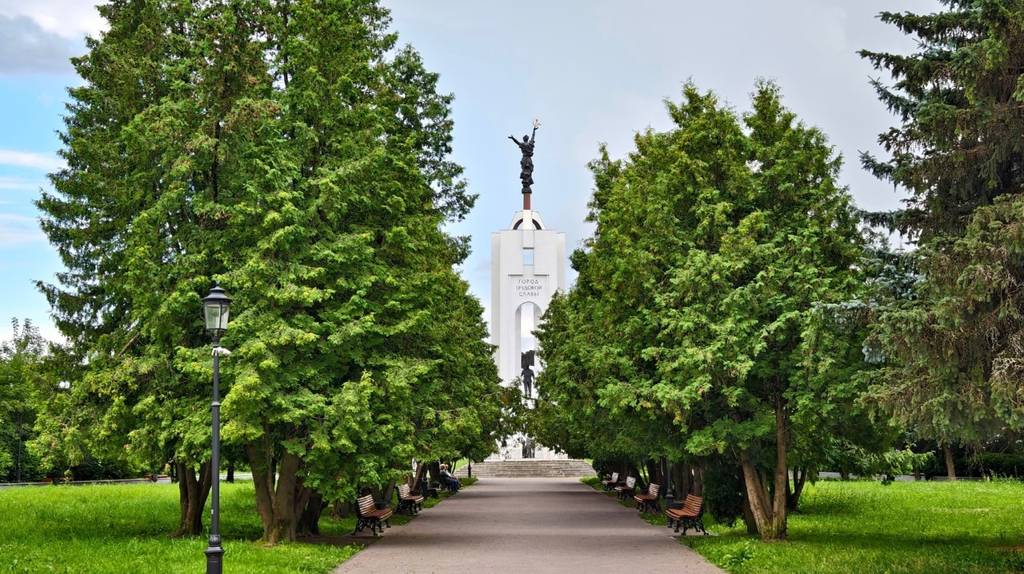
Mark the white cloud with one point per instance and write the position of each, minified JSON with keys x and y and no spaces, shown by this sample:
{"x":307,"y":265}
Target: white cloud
{"x":71,"y":19}
{"x":40,"y":36}
{"x":16,"y":158}
{"x":17,"y":183}
{"x":18,"y":230}
{"x":26,"y":48}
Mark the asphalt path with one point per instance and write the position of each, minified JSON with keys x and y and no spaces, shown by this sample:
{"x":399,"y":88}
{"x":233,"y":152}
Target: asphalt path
{"x":529,"y":525}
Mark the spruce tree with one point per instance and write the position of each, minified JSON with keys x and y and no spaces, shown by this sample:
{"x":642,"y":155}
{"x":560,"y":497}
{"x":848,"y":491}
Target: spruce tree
{"x":954,"y":350}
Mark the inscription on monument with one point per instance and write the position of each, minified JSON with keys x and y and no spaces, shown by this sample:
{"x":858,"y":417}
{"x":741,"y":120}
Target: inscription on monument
{"x":529,"y":287}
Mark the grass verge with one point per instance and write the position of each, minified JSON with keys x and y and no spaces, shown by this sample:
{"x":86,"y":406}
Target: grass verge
{"x":870,"y":528}
{"x":118,"y":529}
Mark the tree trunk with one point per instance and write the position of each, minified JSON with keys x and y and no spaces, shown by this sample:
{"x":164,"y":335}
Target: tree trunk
{"x":793,"y":496}
{"x":341,"y":509}
{"x":769,"y":509}
{"x":421,"y":472}
{"x":947,"y":451}
{"x":697,"y":484}
{"x":231,"y":471}
{"x":388,"y":492}
{"x":778,"y":531}
{"x":286,"y":498}
{"x":193,"y":490}
{"x":309,"y":520}
{"x":652,"y":471}
{"x":634,"y":472}
{"x":683,"y":478}
{"x":756,"y":494}
{"x":748,"y":516}
{"x":279,"y":502}
{"x":261,"y":462}
{"x":434,"y":468}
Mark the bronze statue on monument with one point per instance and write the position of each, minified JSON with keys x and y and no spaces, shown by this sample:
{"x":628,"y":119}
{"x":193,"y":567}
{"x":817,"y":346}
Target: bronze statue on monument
{"x":527,"y":363}
{"x":526,"y":164}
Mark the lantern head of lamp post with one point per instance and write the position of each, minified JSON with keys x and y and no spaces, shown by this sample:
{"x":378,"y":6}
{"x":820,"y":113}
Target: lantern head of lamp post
{"x":215,"y":312}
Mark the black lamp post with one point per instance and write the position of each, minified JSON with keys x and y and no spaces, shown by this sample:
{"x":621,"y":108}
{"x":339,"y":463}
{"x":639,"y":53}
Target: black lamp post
{"x":670,"y":487}
{"x":215,"y":315}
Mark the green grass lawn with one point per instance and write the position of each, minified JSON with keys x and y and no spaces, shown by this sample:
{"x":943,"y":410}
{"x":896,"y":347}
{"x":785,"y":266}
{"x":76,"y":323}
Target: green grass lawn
{"x":108,"y":529}
{"x":870,"y":528}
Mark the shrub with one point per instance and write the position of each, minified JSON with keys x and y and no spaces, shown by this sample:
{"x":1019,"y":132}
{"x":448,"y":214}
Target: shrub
{"x":723,"y":491}
{"x":999,"y":464}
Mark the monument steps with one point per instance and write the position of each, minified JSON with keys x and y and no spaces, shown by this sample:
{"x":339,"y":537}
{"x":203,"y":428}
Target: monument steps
{"x":529,"y":468}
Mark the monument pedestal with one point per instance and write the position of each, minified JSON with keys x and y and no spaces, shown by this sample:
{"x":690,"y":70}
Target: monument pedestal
{"x":527,"y":269}
{"x":516,"y":447}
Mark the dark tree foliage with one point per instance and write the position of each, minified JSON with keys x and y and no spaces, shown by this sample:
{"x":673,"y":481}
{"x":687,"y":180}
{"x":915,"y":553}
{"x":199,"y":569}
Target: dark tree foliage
{"x":697,"y":328}
{"x":292,"y":151}
{"x":954,"y":351}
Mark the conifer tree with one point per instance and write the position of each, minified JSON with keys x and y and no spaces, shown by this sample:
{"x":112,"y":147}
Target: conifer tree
{"x":954,"y":350}
{"x":290,"y":152}
{"x":717,"y":245}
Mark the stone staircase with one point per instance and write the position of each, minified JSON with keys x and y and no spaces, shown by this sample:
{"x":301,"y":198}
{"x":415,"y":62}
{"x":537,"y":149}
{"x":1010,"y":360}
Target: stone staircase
{"x":529,"y":468}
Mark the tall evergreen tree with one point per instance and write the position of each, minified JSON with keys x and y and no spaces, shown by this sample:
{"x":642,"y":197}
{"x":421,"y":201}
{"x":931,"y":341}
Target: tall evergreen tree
{"x":288,"y":150}
{"x":954,"y":352}
{"x":718,"y":243}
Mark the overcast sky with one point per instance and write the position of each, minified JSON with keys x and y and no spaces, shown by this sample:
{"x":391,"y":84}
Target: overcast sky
{"x":591,"y":70}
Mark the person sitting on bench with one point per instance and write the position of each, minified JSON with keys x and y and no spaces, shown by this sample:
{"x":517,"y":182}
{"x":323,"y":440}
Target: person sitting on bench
{"x":449,"y":480}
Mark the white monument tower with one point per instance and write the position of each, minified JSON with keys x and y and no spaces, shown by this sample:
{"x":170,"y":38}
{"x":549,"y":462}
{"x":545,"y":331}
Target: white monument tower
{"x":527,"y":268}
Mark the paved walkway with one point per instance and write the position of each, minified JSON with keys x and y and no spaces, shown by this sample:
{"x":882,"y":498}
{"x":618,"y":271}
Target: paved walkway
{"x":532,"y":526}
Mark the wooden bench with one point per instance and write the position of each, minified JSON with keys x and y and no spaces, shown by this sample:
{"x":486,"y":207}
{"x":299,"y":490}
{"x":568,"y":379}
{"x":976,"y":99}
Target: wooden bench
{"x":368,"y":514}
{"x":689,"y":516}
{"x":624,"y":491}
{"x":407,"y":501}
{"x":610,"y":483}
{"x":648,"y":500}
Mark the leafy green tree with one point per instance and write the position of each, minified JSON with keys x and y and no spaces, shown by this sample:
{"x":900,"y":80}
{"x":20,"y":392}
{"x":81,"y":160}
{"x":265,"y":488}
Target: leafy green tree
{"x":22,"y":383}
{"x":131,"y":221}
{"x":854,"y":426}
{"x":292,"y":152}
{"x":775,"y":240}
{"x":718,"y":245}
{"x":954,"y":351}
